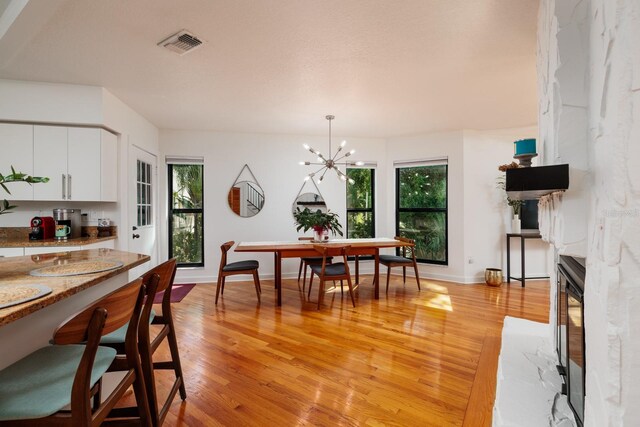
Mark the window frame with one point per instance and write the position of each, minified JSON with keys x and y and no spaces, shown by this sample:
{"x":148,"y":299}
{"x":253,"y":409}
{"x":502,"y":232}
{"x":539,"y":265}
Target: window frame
{"x":372,"y":210}
{"x":172,"y":211}
{"x":444,"y":210}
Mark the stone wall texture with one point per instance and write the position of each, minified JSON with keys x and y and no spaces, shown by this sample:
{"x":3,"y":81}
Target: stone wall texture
{"x":589,"y":88}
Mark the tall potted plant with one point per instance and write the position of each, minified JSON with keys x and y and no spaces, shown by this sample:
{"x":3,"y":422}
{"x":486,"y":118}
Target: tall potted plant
{"x":321,"y":222}
{"x":16,"y":177}
{"x":515,"y":205}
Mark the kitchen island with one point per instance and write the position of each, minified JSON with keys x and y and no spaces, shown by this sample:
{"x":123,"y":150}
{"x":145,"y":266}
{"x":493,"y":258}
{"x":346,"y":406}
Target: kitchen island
{"x":30,"y":325}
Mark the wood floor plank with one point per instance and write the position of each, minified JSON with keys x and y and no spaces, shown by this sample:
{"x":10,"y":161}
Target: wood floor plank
{"x":411,"y":358}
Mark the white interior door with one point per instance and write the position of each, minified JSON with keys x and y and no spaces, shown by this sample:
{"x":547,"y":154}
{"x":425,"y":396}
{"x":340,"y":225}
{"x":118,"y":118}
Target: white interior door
{"x":143,"y":207}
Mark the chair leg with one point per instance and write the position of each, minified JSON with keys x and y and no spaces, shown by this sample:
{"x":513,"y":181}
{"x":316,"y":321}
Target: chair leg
{"x":224,"y":279}
{"x":141,"y":395}
{"x":415,"y":268}
{"x":310,"y":283}
{"x":218,"y":287}
{"x":404,"y":274}
{"x":353,"y":301}
{"x":304,"y":277}
{"x":256,"y":282}
{"x":388,"y":274}
{"x":341,"y":288}
{"x":320,"y":292}
{"x":300,"y":270}
{"x":175,"y":356}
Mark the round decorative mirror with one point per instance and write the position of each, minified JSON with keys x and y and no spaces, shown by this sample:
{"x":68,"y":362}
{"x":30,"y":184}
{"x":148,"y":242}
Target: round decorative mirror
{"x":246,"y":197}
{"x":313,"y":201}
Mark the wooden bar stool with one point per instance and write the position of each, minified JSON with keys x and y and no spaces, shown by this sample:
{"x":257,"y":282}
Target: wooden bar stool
{"x":163,"y":275}
{"x":333,"y":272}
{"x":402,"y":261}
{"x":35,"y":389}
{"x":239,"y":267}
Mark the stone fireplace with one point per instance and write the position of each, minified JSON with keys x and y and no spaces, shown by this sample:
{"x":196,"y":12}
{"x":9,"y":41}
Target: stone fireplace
{"x":589,"y":117}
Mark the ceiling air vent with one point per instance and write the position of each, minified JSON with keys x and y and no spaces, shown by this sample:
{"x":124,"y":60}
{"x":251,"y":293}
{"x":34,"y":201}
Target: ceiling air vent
{"x":181,"y":42}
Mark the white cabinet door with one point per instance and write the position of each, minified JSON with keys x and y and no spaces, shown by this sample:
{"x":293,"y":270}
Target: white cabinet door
{"x":109,"y":167}
{"x":9,"y":252}
{"x":50,"y":160}
{"x":16,"y":145}
{"x":83,"y":164}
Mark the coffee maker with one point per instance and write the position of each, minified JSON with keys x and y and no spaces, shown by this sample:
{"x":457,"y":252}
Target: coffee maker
{"x":42,"y":227}
{"x":71,"y":218}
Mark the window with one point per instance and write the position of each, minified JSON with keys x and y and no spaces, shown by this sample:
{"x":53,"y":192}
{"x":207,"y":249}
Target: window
{"x":360,"y":202}
{"x":421,"y":209}
{"x":186,"y":215}
{"x":143,"y":194}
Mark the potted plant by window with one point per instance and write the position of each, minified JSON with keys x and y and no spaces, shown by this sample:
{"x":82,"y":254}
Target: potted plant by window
{"x":320,"y":222}
{"x":16,"y":177}
{"x":515,"y":205}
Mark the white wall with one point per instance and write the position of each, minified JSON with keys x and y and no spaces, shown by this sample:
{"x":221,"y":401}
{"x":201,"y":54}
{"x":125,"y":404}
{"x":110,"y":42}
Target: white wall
{"x":487,"y":216}
{"x":37,"y":102}
{"x":589,"y":80}
{"x":274,"y":161}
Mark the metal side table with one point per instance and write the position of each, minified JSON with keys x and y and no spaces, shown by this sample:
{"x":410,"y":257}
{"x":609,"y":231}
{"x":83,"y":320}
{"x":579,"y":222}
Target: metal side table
{"x":523,"y":237}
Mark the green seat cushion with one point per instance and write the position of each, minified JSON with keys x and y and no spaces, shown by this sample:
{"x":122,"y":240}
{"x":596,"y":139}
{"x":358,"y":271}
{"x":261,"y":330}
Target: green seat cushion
{"x":118,"y":336}
{"x":40,"y":384}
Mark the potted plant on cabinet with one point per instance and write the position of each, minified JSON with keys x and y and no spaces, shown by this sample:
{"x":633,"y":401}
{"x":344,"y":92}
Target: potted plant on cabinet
{"x":515,"y":205}
{"x":320,"y":222}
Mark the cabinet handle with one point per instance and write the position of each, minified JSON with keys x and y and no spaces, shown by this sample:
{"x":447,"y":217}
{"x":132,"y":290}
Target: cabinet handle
{"x":64,"y":186}
{"x":69,"y":187}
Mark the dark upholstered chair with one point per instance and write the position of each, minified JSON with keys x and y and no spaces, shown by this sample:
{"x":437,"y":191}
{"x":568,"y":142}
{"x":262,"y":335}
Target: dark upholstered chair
{"x":402,"y":261}
{"x":35,"y":390}
{"x":233,"y":268}
{"x":308,"y":261}
{"x":332,"y":272}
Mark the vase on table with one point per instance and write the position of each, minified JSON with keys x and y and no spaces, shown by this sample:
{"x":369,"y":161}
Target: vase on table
{"x":320,"y":234}
{"x":515,"y":224}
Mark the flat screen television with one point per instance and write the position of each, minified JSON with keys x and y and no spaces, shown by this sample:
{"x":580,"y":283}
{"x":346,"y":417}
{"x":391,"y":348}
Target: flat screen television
{"x":529,"y":215}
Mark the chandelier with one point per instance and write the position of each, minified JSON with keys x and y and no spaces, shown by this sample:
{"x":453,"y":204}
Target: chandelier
{"x":330,"y":161}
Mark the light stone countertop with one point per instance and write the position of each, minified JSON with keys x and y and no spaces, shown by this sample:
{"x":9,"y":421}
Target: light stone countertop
{"x":15,"y":271}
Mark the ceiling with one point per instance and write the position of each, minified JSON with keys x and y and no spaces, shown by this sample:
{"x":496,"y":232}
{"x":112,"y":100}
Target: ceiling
{"x":384,"y":68}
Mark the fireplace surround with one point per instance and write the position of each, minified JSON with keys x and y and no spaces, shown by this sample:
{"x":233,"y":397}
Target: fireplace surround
{"x":570,"y":343}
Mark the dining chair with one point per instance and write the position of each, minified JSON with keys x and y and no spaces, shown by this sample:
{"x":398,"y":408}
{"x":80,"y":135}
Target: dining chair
{"x":402,"y":261}
{"x":308,"y":261}
{"x":35,"y":390}
{"x":164,"y":275}
{"x":332,"y":272}
{"x":233,"y":268}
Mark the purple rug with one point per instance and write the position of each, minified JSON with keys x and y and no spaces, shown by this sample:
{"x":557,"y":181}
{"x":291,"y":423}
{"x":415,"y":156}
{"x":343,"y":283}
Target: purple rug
{"x":178,"y":292}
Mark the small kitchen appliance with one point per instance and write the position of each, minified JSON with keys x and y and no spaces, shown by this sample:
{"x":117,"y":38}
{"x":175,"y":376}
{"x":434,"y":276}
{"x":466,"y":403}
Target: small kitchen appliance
{"x":71,"y":218}
{"x":42,"y":227}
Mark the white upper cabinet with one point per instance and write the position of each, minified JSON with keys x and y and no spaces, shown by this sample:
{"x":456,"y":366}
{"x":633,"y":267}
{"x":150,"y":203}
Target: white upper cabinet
{"x":81,"y":163}
{"x":83,"y":168}
{"x":16,"y":143}
{"x":109,"y":166}
{"x":50,"y":160}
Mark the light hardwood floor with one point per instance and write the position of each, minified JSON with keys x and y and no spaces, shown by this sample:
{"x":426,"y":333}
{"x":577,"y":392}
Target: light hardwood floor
{"x":410,"y":359}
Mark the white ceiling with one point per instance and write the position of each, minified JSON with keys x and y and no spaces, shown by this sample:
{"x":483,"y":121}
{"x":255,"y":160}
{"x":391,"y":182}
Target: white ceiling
{"x":383,"y":67}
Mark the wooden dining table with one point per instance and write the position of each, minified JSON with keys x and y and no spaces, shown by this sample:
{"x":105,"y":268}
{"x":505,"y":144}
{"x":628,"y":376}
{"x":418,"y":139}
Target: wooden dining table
{"x":304,"y":248}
